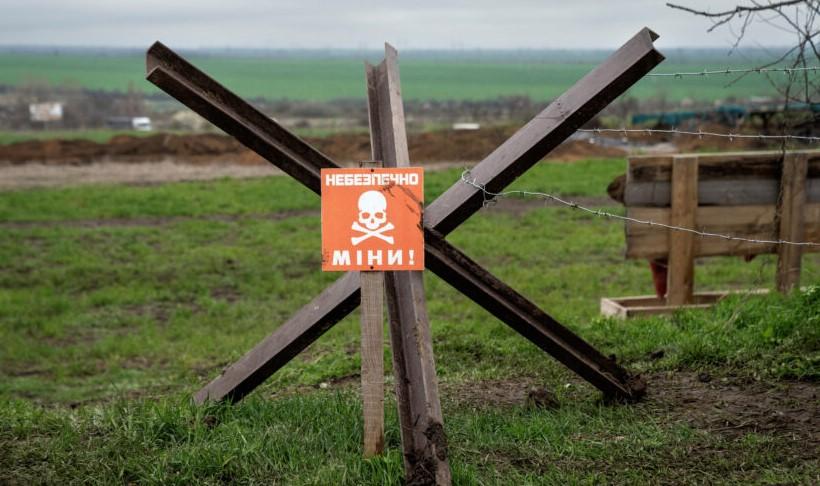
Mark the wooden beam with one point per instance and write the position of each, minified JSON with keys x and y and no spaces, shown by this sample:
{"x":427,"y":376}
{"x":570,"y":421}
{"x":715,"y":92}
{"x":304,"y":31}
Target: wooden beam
{"x":791,"y":209}
{"x":424,"y":442}
{"x":257,"y":131}
{"x":546,"y":131}
{"x":717,"y":166}
{"x":523,"y":316}
{"x":725,"y":179}
{"x":273,"y":352}
{"x":752,"y":222}
{"x":725,"y":192}
{"x":372,"y":349}
{"x":211,"y":100}
{"x":372,"y":354}
{"x":681,"y":274}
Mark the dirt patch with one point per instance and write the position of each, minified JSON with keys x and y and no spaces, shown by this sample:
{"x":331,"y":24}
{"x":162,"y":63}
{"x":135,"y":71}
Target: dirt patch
{"x":733,"y":406}
{"x":445,"y":145}
{"x":39,"y":174}
{"x":729,"y":406}
{"x":489,"y":394}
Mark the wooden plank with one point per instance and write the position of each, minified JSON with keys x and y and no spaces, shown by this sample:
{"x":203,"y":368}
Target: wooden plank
{"x":791,"y":208}
{"x":273,"y":352}
{"x":257,"y":131}
{"x":372,"y":355}
{"x":372,"y":320}
{"x":424,"y":442}
{"x":611,"y":308}
{"x":547,"y":130}
{"x":646,"y":305}
{"x":748,"y":165}
{"x":731,"y":191}
{"x":753,"y":222}
{"x":681,"y":275}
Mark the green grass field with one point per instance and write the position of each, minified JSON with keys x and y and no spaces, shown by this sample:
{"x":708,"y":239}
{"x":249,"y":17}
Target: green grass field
{"x":324,"y":79}
{"x":118,"y":302}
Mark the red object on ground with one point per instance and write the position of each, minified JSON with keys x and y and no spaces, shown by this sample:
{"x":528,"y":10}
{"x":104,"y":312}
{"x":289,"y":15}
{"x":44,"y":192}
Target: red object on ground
{"x":659,"y":267}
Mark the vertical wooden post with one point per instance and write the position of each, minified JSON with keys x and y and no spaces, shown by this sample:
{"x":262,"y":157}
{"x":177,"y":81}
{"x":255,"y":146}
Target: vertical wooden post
{"x":790,"y":210}
{"x":420,"y":419}
{"x":684,"y":205}
{"x":372,"y":354}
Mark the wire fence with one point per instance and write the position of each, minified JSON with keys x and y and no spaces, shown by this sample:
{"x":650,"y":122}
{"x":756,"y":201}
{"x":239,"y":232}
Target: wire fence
{"x":759,"y":70}
{"x":490,"y":196}
{"x":700,"y":133}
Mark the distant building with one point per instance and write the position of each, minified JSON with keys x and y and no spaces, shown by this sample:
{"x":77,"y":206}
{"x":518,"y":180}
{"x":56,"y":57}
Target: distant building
{"x":139,"y":123}
{"x":46,"y":112}
{"x":466,"y":126}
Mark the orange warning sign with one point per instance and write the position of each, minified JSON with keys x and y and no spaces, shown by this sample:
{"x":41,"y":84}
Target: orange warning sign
{"x":371,"y":219}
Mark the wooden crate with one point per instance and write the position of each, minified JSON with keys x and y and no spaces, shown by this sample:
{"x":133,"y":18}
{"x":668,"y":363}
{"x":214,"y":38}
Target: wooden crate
{"x":647,"y":305}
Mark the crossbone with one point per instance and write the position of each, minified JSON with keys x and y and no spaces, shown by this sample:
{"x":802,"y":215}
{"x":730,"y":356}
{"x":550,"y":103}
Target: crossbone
{"x":369,"y":234}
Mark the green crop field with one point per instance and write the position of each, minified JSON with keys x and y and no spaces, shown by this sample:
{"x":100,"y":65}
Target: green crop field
{"x":118,"y":302}
{"x":423,"y":77}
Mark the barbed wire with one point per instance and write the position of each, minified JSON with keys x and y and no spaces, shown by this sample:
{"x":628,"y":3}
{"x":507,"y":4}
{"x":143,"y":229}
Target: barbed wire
{"x":491,"y":196}
{"x":700,"y":133}
{"x":727,"y":71}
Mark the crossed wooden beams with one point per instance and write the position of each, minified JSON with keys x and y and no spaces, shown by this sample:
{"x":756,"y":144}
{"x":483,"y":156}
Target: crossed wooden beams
{"x":301,"y":161}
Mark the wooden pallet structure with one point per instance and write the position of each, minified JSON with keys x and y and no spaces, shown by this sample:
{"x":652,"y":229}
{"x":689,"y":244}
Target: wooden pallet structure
{"x":753,"y":195}
{"x":421,"y":423}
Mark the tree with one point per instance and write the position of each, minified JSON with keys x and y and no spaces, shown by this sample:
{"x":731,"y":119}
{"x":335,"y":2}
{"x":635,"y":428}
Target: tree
{"x":799,"y":17}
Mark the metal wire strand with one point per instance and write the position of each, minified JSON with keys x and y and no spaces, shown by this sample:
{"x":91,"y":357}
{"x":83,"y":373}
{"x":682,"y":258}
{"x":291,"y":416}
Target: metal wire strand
{"x":699,"y":133}
{"x":761,"y":70}
{"x":489,"y":197}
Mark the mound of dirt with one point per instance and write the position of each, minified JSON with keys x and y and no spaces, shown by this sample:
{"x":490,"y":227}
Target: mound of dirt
{"x":440,"y":146}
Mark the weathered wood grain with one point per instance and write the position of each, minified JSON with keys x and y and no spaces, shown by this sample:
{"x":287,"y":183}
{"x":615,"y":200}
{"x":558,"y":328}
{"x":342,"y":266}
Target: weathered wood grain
{"x":792,"y":215}
{"x":681,"y":274}
{"x":546,"y":131}
{"x":273,"y":352}
{"x":752,"y":222}
{"x":421,"y":422}
{"x":372,"y":350}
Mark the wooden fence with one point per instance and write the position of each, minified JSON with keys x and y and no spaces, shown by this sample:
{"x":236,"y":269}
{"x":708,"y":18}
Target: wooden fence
{"x":768,"y":196}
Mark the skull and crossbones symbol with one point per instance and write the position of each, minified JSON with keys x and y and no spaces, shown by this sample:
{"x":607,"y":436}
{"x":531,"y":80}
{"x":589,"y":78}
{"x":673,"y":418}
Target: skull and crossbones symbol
{"x":372,"y":218}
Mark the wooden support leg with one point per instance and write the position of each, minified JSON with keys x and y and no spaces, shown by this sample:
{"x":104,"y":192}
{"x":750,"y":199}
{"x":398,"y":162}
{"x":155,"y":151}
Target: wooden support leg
{"x":421,"y":423}
{"x":372,"y":354}
{"x":790,"y":209}
{"x":298,"y":159}
{"x":273,"y":352}
{"x":372,"y":307}
{"x":682,"y":244}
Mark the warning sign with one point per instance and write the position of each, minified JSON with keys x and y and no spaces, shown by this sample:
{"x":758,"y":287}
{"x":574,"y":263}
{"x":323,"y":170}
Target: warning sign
{"x":371,"y":219}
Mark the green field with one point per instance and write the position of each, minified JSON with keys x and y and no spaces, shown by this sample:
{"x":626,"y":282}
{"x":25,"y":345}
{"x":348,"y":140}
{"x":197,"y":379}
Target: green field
{"x":423,"y":78}
{"x":118,"y":302}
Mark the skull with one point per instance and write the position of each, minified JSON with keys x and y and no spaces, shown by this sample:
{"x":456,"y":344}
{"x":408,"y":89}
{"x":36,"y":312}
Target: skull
{"x":372,"y":209}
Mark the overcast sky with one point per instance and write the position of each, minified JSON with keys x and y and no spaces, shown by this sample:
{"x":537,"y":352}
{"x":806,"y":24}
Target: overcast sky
{"x":364,"y":24}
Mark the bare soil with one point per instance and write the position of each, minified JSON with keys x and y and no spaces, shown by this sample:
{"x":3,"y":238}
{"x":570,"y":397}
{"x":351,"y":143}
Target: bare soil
{"x":446,"y":145}
{"x":730,"y":406}
{"x":734,"y":406}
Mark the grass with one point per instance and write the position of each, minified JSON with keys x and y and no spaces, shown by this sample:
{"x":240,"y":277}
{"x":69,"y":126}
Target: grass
{"x":322,"y":79}
{"x":118,"y":302}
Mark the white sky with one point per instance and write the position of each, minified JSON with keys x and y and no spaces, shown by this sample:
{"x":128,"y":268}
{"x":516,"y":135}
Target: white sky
{"x":367,"y":24}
